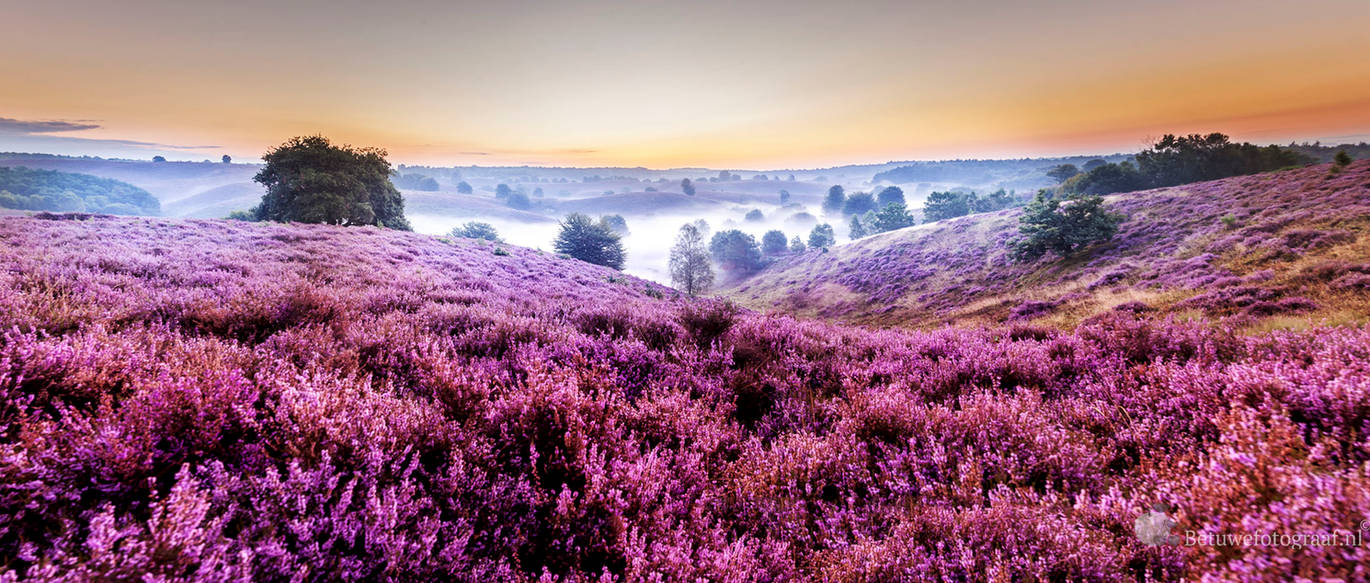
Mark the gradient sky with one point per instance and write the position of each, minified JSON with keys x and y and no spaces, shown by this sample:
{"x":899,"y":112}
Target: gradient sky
{"x":710,"y":83}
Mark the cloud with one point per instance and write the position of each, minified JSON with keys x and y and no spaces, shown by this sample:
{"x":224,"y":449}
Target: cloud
{"x":45,"y":135}
{"x":24,"y":126}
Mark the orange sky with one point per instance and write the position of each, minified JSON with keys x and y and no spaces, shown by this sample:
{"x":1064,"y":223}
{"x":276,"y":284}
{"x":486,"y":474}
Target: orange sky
{"x":662,"y":84}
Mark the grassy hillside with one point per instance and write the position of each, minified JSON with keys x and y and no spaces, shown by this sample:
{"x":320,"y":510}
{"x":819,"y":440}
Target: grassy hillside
{"x":210,"y":399}
{"x":1274,"y":249}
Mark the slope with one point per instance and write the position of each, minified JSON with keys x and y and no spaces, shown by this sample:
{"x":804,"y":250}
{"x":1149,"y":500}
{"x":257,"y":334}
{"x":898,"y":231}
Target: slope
{"x":212,"y":400}
{"x":1269,"y":249}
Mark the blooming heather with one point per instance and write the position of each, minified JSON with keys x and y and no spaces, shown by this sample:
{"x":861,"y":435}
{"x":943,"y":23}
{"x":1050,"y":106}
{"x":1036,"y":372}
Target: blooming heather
{"x":1188,"y":240}
{"x":221,"y":401}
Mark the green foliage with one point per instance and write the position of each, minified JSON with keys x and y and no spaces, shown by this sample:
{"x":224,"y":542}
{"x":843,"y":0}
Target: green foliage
{"x":240,"y":216}
{"x":754,"y":216}
{"x":890,"y":195}
{"x":503,"y":191}
{"x":1095,"y":163}
{"x":1342,"y":159}
{"x":48,"y":190}
{"x":689,"y":265}
{"x":784,"y":196}
{"x":1106,"y":179}
{"x":591,"y":241}
{"x":893,"y":216}
{"x":310,"y":180}
{"x":1062,"y":226}
{"x":518,"y":200}
{"x":615,"y":223}
{"x":774,"y":243}
{"x":832,"y":204}
{"x":687,"y":187}
{"x":464,"y":188}
{"x":1229,"y":222}
{"x":159,"y":158}
{"x":1062,"y":172}
{"x":227,"y":159}
{"x":856,"y":230}
{"x":858,"y":203}
{"x":501,"y":252}
{"x":822,"y":237}
{"x":945,"y":205}
{"x":476,"y":230}
{"x":416,"y":182}
{"x":1180,"y":160}
{"x":735,"y":252}
{"x":797,"y":245}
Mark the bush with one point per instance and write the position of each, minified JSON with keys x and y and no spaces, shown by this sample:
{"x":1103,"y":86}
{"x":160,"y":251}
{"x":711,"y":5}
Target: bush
{"x":476,"y":230}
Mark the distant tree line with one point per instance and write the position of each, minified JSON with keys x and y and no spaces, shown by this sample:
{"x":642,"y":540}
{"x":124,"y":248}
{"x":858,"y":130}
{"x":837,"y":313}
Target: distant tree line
{"x":49,"y":190}
{"x":416,"y":182}
{"x":1178,"y":160}
{"x":949,"y":205}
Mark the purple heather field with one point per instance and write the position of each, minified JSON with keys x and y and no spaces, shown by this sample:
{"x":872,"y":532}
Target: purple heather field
{"x":222,"y":401}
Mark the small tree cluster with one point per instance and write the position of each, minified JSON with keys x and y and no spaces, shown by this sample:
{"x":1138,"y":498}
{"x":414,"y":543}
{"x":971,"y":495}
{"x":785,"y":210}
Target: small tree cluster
{"x":949,"y":205}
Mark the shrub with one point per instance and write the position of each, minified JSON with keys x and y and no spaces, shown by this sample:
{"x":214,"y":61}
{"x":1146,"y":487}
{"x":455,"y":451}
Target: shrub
{"x":476,"y":230}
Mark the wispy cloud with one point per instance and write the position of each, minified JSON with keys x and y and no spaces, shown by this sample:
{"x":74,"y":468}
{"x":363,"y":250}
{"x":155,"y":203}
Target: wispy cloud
{"x":46,"y":135}
{"x":29,"y":126}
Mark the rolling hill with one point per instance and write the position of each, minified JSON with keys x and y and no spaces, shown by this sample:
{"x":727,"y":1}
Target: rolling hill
{"x":200,"y":399}
{"x":1271,"y":249}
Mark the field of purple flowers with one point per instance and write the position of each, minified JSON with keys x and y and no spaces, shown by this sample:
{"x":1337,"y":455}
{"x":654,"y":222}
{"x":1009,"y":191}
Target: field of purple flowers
{"x":1282,"y":244}
{"x":222,"y":401}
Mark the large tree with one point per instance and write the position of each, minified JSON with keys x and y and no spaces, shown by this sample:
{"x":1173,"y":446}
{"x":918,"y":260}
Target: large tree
{"x":687,"y":187}
{"x":589,"y":240}
{"x":690,"y":268}
{"x":310,"y":180}
{"x":893,"y":216}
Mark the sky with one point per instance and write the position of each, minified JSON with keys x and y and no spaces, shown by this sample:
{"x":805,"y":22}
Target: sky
{"x":704,"y":83}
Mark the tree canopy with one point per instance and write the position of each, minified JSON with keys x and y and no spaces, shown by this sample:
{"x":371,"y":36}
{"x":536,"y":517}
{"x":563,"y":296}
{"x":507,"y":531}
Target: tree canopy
{"x":835,"y":199}
{"x":1062,"y":225}
{"x":310,"y":180}
{"x":735,"y":252}
{"x":689,"y":264}
{"x":590,"y":241}
{"x":822,"y":237}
